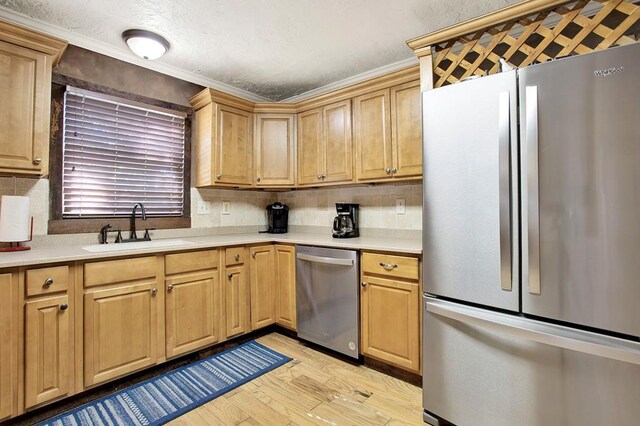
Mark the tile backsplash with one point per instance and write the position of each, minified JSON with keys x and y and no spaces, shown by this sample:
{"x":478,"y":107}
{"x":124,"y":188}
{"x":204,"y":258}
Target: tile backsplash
{"x":308,"y":207}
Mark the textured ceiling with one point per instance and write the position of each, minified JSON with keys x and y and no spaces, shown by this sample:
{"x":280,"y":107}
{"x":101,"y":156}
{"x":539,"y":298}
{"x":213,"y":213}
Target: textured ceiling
{"x":272,"y":48}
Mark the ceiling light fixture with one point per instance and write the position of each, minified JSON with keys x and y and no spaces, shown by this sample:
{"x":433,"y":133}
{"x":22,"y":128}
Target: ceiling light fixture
{"x":145,"y":44}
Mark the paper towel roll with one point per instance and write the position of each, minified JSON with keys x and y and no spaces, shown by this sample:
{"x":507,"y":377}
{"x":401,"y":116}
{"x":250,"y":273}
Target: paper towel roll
{"x":15,"y":220}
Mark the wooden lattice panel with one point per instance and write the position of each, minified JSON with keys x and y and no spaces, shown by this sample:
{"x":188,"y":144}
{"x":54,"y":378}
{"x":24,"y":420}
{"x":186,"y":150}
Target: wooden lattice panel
{"x":574,"y":28}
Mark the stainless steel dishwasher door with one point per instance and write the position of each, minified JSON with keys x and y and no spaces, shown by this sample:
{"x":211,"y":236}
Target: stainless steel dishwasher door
{"x":327,"y":298}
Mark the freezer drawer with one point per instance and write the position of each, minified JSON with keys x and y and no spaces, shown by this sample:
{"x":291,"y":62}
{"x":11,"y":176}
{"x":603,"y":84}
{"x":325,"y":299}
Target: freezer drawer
{"x":580,"y":135}
{"x":487,"y":368}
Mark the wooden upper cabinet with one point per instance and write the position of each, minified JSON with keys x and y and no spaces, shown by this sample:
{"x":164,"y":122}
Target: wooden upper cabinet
{"x":388,"y":133}
{"x":338,"y":165}
{"x":274,"y":150}
{"x":373,"y":135}
{"x":406,"y":129}
{"x":223,"y":142}
{"x":310,"y":147}
{"x":234,"y":142}
{"x":324,"y":145}
{"x":8,"y":347}
{"x":49,"y":355}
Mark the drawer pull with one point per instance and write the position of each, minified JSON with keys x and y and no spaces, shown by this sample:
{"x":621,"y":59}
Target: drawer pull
{"x":364,"y":283}
{"x":230,"y":275}
{"x":37,"y":161}
{"x":237,"y":257}
{"x":388,"y":266}
{"x":48,"y":282}
{"x":64,"y":307}
{"x":154,"y":291}
{"x":170,"y":288}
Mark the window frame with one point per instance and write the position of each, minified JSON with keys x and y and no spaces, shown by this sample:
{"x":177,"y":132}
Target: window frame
{"x":60,"y":225}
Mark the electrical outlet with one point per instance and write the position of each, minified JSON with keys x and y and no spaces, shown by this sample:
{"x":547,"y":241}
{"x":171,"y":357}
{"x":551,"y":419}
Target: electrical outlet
{"x":203,"y":207}
{"x":401,"y":206}
{"x":226,"y":207}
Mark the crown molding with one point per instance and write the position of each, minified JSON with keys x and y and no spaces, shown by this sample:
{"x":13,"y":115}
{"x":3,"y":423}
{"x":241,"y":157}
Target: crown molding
{"x":349,"y":81}
{"x":122,"y":54}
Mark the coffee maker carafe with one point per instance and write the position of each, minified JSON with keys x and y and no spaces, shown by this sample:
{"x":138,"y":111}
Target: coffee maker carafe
{"x":345,"y":225}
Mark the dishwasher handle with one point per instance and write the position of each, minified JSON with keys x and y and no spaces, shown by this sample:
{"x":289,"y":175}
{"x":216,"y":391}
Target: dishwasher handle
{"x":326,"y":260}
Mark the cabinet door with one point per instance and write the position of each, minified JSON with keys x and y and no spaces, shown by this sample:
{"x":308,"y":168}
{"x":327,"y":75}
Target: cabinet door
{"x":9,"y":345}
{"x":274,"y":150}
{"x":373,"y":136}
{"x":263,"y":306}
{"x":338,"y":163}
{"x":192,"y":311}
{"x":285,"y":286}
{"x":234,"y":142}
{"x":48,"y":350}
{"x":406,"y":130}
{"x":391,"y":321}
{"x":120,"y":331}
{"x":25,"y":84}
{"x":310,"y":147}
{"x":236,"y":301}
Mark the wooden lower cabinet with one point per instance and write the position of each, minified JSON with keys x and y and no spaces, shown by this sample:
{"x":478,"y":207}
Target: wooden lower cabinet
{"x":285,"y":297}
{"x":236,"y":298}
{"x":263,"y":288}
{"x":390,"y":321}
{"x":9,"y":344}
{"x":193,"y":306}
{"x":120,"y":330}
{"x":49,"y":355}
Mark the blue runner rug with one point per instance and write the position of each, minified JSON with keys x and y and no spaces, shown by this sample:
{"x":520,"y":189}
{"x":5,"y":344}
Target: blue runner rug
{"x":165,"y":397}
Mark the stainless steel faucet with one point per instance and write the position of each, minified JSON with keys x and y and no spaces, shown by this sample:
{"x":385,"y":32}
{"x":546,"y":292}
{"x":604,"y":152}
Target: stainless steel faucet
{"x":133,"y":235}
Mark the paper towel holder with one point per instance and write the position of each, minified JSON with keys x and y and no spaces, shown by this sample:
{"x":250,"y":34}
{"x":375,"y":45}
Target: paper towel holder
{"x":16,"y":224}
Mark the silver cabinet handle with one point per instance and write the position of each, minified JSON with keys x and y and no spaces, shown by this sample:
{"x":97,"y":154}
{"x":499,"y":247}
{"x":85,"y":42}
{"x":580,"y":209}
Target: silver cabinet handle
{"x":319,"y":177}
{"x":237,"y":257}
{"x":324,"y":176}
{"x":154,"y":291}
{"x":388,"y":266}
{"x":170,"y":288}
{"x":545,"y":333}
{"x":393,"y":171}
{"x":364,"y":283}
{"x":326,"y":260}
{"x":253,"y":254}
{"x":64,"y":307}
{"x":48,"y":282}
{"x":37,"y":161}
{"x":258,"y":179}
{"x":504,"y":175}
{"x":387,"y":170}
{"x":530,"y":220}
{"x":218,"y":177}
{"x":230,"y":275}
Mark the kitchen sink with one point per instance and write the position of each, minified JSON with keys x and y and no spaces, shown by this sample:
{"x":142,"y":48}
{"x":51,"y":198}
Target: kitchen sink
{"x":105,"y":248}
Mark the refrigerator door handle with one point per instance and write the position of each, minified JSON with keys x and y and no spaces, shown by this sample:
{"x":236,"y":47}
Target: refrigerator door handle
{"x":504,"y":142}
{"x":531,"y":236}
{"x":536,"y":331}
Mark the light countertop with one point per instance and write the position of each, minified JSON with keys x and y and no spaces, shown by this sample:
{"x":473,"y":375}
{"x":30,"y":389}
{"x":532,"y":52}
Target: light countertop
{"x":70,"y":253}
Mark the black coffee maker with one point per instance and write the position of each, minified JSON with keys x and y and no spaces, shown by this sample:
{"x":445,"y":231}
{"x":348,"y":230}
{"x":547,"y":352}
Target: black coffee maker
{"x":277,"y":218}
{"x":345,"y":225}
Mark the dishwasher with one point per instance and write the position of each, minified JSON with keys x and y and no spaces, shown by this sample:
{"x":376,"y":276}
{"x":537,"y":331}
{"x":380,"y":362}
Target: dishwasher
{"x":327,"y":298}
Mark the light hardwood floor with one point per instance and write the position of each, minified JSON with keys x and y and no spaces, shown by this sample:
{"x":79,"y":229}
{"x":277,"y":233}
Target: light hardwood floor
{"x":313,"y":389}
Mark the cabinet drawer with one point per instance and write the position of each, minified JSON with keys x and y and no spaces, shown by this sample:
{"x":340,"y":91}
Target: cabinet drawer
{"x":390,"y":266}
{"x":192,"y":261}
{"x":116,"y":271}
{"x":47,"y":280}
{"x":234,"y":256}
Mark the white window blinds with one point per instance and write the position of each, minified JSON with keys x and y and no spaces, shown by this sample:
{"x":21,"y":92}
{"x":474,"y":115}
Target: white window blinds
{"x":117,"y":153}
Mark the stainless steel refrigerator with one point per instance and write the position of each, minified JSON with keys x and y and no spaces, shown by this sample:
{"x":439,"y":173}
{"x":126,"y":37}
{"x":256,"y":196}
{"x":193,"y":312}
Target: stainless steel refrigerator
{"x":531,"y":241}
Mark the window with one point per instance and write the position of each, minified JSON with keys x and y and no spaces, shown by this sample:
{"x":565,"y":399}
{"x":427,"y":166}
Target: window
{"x":117,"y":153}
